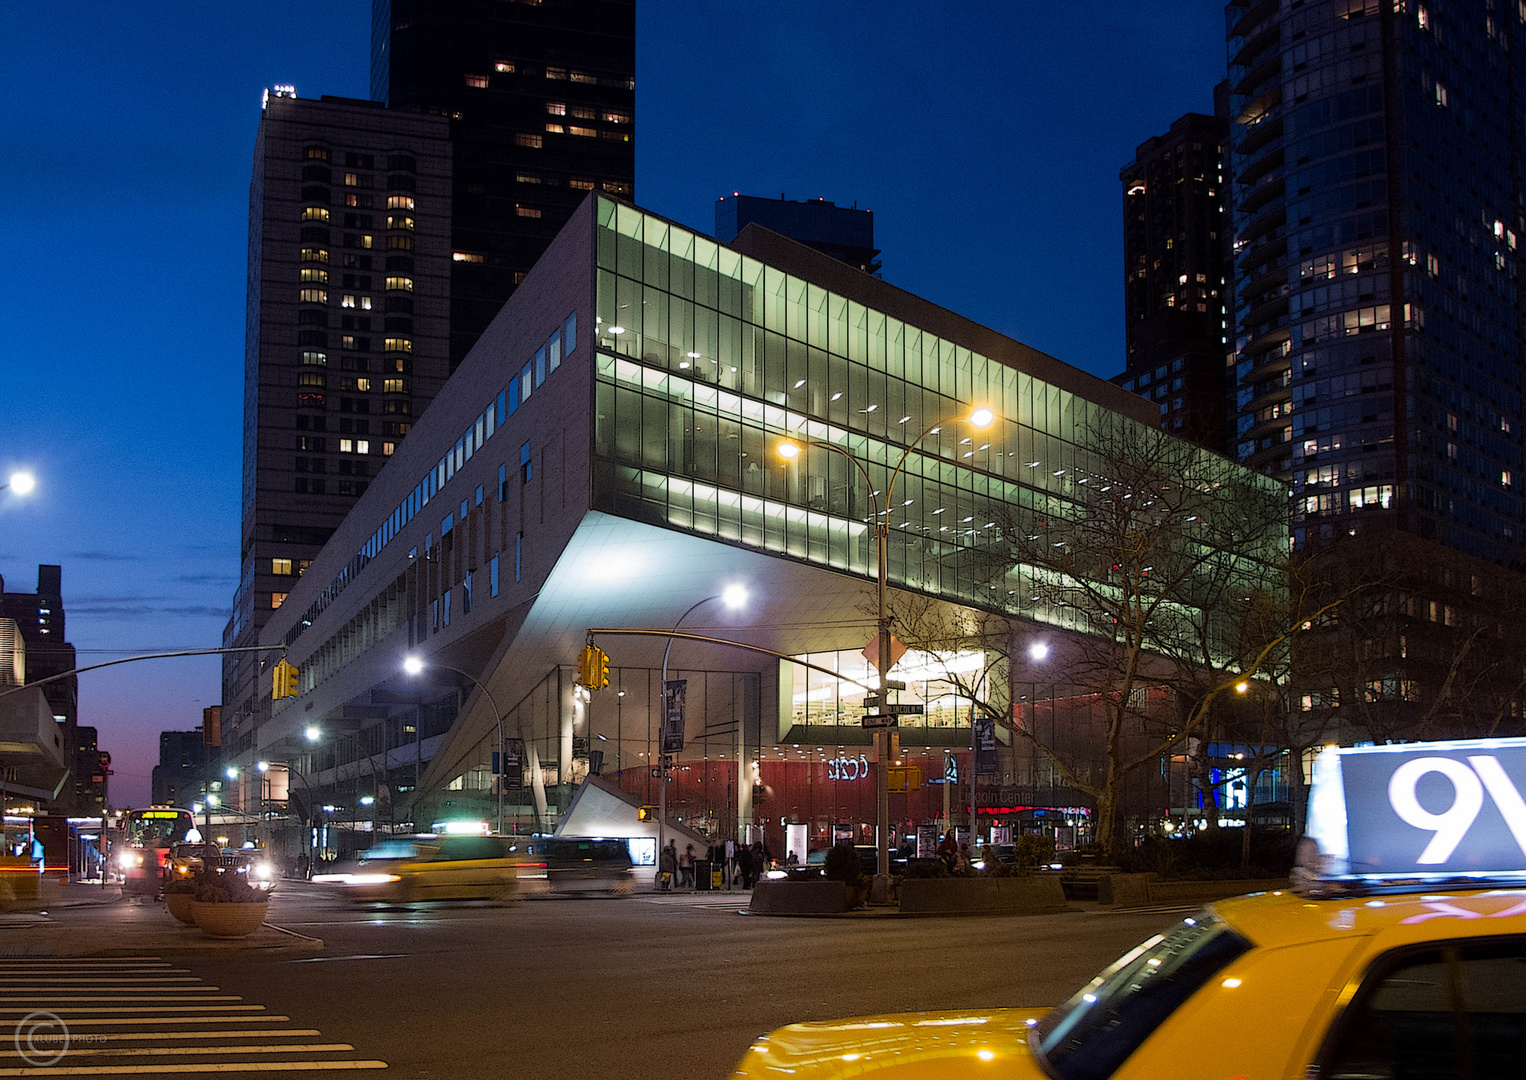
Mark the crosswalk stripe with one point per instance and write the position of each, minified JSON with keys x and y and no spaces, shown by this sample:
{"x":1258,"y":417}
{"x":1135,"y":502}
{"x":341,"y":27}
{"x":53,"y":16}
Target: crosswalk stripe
{"x":63,"y":1069}
{"x":149,"y":1020}
{"x":177,"y":1051}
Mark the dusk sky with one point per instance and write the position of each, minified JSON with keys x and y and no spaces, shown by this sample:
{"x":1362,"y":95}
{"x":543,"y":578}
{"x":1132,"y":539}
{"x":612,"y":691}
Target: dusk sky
{"x":986,"y":137}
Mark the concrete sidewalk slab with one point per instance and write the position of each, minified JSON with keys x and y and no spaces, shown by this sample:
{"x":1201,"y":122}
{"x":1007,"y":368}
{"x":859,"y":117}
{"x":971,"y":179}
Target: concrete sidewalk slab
{"x":135,"y":928}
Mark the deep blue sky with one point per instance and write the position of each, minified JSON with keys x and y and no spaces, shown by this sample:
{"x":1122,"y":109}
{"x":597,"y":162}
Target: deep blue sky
{"x":986,"y":137}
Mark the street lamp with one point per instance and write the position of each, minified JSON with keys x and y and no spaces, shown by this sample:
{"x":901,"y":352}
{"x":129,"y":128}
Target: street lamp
{"x":734,"y":597}
{"x":312,"y":804}
{"x":21,"y":483}
{"x":414,"y":665}
{"x":979,"y":417}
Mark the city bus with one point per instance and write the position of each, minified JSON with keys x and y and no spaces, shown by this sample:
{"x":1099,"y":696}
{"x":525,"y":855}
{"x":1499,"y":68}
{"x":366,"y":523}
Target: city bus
{"x":147,"y":836}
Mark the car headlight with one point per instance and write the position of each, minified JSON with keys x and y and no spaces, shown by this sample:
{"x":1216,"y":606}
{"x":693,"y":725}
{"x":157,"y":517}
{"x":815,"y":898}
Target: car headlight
{"x":261,"y":870}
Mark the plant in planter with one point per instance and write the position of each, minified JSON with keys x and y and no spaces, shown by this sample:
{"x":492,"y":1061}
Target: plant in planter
{"x":842,"y":865}
{"x":178,"y":895}
{"x":226,"y":906}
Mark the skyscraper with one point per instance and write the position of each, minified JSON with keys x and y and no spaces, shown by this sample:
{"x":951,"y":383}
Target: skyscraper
{"x":39,"y":617}
{"x":541,"y":100}
{"x":347,"y":333}
{"x":1175,"y":249}
{"x":1377,"y":206}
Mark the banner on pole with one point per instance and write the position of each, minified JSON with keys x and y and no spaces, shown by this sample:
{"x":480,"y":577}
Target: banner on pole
{"x":512,"y":768}
{"x":673,"y":693}
{"x":985,"y":746}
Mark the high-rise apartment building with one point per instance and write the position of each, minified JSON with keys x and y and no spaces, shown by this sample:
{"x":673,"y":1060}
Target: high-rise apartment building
{"x":347,"y":335}
{"x":844,"y":232}
{"x":1376,"y":153}
{"x":541,"y":100}
{"x":1175,"y":251}
{"x":384,"y":237}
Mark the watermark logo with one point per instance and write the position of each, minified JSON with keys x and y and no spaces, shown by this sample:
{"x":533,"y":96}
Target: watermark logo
{"x":42,"y":1038}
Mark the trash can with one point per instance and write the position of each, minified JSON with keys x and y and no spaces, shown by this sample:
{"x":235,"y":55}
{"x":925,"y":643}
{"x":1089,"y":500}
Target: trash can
{"x":702,"y":874}
{"x":718,"y":877}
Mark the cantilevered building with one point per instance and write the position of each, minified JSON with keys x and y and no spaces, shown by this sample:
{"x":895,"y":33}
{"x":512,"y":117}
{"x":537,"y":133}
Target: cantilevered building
{"x":605,"y":458}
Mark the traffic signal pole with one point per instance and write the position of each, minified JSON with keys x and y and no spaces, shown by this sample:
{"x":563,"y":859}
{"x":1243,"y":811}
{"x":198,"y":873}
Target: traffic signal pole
{"x":144,"y":656}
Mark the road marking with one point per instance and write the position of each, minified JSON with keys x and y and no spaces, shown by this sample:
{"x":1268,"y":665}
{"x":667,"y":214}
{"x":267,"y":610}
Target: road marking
{"x":63,"y":1069}
{"x":357,"y":956}
{"x":180,"y":1051}
{"x":137,"y":1021}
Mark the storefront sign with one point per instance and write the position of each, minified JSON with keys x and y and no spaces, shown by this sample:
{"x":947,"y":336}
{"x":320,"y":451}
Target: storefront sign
{"x":848,"y":768}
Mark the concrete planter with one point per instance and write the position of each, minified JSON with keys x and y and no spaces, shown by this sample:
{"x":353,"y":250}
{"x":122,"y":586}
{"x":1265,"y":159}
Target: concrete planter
{"x":1139,"y":890}
{"x":1033,"y":895}
{"x":179,"y":905}
{"x":228,"y":920}
{"x":799,"y":898}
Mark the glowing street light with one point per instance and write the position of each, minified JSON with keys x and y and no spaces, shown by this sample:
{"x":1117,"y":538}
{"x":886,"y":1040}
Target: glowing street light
{"x":21,"y":483}
{"x":414,"y":665}
{"x":1039,"y":650}
{"x":313,"y":733}
{"x":980,"y":417}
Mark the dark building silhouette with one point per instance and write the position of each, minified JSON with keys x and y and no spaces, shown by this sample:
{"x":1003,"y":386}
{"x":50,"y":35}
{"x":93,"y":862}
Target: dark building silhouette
{"x":184,"y":763}
{"x":92,"y":768}
{"x":40,"y":618}
{"x":843,"y":232}
{"x":541,"y":100}
{"x":1377,"y":207}
{"x":1175,"y":250}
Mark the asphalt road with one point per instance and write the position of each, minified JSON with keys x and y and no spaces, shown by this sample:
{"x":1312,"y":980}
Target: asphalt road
{"x":648,"y":988}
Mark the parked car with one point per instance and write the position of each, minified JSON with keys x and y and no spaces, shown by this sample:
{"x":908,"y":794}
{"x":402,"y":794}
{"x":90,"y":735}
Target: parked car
{"x":430,"y":868}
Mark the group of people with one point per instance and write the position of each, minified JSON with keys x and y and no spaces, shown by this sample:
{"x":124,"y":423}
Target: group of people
{"x":740,"y":864}
{"x":954,"y":855}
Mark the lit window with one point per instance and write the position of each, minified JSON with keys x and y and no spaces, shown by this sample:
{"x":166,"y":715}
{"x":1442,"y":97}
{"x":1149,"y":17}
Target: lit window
{"x":584,"y":77}
{"x":456,"y":256}
{"x":315,"y":273}
{"x":399,"y":222}
{"x":351,"y":180}
{"x":527,"y":211}
{"x":616,"y":118}
{"x":315,"y":255}
{"x":528,"y":178}
{"x":388,"y":449}
{"x":556,"y":129}
{"x":394,"y":386}
{"x":315,"y":296}
{"x":614,"y":187}
{"x":316,"y":358}
{"x":399,"y":202}
{"x":406,"y":283}
{"x":478,"y":81}
{"x":579,"y":184}
{"x":280,"y":566}
{"x":1441,"y":95}
{"x":346,"y":446}
{"x":365,"y":303}
{"x":397,"y":344}
{"x":504,"y":66}
{"x":347,"y":300}
{"x":556,"y":73}
{"x":524,"y":138}
{"x":276,"y":600}
{"x":582,"y":112}
{"x":1506,"y":479}
{"x":362,"y":446}
{"x":587,"y":133}
{"x":556,"y":108}
{"x":302,"y":565}
{"x":315,"y":213}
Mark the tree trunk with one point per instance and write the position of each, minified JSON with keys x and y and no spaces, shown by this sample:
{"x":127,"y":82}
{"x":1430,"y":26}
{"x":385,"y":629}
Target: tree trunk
{"x":1254,"y":776}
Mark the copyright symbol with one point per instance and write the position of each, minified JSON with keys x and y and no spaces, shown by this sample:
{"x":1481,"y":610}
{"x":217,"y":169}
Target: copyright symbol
{"x":42,"y":1038}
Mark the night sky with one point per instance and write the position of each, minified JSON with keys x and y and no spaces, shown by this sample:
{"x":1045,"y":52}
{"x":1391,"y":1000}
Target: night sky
{"x":986,"y":137}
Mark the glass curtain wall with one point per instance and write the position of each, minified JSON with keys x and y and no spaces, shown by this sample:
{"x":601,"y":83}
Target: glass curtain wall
{"x":706,"y":360}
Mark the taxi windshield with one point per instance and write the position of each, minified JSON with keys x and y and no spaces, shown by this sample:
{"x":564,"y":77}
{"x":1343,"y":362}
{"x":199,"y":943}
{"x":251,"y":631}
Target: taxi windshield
{"x":1089,"y":1036}
{"x":389,"y":850}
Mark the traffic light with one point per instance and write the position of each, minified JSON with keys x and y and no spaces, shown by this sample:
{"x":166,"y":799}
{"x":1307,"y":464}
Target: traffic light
{"x":283,"y":681}
{"x":593,"y":668}
{"x":587,"y":670}
{"x":646,"y":813}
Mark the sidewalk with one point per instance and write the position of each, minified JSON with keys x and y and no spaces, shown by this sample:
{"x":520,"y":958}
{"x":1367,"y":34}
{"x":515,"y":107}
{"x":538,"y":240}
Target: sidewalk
{"x":86,"y":920}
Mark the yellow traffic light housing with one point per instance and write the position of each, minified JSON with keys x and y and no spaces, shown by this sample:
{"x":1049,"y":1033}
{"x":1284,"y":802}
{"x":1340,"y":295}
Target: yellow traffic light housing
{"x":601,"y":670}
{"x":283,"y":681}
{"x":646,"y":813}
{"x":593,"y":668}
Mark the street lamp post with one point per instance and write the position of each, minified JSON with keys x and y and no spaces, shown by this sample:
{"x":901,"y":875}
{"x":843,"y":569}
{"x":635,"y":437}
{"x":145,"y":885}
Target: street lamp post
{"x":789,"y":450}
{"x":733,"y":597}
{"x":414,"y":665}
{"x":312,"y":804}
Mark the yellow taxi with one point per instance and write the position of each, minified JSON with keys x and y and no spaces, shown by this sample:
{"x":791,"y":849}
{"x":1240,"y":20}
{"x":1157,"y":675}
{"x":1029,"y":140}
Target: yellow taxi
{"x":1401,"y":954}
{"x":431,"y":868}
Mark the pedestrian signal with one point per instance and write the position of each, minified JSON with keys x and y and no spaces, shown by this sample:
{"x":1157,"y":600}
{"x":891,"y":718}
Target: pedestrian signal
{"x":283,"y":681}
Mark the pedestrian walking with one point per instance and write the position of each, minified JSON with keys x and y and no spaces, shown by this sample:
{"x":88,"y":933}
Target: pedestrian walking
{"x":667,"y":866}
{"x":686,"y":867}
{"x":744,"y":864}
